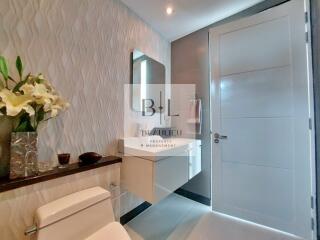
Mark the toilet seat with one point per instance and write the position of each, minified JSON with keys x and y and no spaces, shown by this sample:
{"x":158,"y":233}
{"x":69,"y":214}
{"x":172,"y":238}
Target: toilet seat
{"x":113,"y":231}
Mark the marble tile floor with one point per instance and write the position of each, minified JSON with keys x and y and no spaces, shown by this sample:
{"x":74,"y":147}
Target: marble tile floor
{"x":171,"y":219}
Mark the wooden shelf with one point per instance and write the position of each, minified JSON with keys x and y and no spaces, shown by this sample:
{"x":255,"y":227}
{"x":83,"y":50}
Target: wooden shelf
{"x":7,"y":184}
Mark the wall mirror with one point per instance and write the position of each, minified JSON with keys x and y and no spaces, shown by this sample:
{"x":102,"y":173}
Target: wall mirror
{"x":146,"y":71}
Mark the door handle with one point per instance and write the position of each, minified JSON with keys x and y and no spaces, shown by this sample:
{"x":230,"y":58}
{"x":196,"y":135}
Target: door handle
{"x":218,"y":137}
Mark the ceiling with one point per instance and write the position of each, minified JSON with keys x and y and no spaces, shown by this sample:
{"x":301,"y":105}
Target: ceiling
{"x":188,"y":15}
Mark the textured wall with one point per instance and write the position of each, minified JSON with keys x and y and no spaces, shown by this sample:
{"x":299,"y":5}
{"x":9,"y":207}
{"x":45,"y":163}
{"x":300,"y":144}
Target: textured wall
{"x":83,"y":47}
{"x":17,"y":207}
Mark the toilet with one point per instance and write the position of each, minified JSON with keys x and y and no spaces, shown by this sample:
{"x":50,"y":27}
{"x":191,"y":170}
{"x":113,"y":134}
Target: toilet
{"x":86,"y":215}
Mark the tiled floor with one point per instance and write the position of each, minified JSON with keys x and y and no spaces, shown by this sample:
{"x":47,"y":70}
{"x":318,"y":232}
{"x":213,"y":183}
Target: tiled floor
{"x":173,"y":219}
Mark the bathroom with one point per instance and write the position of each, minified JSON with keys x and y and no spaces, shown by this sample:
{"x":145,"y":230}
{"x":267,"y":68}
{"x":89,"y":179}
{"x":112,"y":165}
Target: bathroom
{"x":154,"y":120}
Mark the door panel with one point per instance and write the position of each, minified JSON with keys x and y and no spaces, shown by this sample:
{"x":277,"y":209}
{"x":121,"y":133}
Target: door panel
{"x":266,"y":138}
{"x":261,"y":101}
{"x":259,"y":198}
{"x":243,"y":94}
{"x":273,"y":34}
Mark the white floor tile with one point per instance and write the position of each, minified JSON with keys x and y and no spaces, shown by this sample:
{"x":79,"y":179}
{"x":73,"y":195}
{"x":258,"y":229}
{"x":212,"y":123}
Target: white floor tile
{"x":173,"y":218}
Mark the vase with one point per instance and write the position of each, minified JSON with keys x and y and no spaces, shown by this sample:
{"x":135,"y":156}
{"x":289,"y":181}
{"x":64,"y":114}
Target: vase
{"x":5,"y":136}
{"x":24,"y":155}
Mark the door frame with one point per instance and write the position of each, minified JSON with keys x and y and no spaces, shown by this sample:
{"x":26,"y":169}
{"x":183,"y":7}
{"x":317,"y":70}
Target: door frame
{"x":315,"y":41}
{"x":312,"y":10}
{"x":312,"y":113}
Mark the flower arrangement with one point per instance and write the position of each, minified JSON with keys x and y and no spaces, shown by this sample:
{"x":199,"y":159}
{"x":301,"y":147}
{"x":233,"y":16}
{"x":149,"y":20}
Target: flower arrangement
{"x":29,"y":100}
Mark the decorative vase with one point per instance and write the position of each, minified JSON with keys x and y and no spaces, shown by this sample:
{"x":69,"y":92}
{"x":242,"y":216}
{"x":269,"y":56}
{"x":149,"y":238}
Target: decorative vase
{"x":24,"y":155}
{"x":5,"y":136}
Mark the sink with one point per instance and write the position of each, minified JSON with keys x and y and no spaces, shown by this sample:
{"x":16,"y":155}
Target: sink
{"x":155,"y":148}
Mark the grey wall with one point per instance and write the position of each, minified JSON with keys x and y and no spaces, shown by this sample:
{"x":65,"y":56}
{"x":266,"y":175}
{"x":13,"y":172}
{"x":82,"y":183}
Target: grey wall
{"x":190,"y":65}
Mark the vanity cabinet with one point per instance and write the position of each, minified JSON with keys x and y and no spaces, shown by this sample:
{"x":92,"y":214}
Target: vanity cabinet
{"x":194,"y":159}
{"x":155,"y":176}
{"x":152,"y":180}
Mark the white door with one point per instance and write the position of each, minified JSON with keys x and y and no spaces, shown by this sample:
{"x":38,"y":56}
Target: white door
{"x":262,"y":171}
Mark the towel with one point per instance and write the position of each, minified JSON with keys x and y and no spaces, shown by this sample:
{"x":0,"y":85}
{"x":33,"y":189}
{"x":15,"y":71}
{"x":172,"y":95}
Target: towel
{"x":195,"y":114}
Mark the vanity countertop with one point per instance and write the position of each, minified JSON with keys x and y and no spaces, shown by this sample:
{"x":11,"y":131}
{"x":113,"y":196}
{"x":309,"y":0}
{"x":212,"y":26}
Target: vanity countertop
{"x":156,"y":148}
{"x":7,"y":184}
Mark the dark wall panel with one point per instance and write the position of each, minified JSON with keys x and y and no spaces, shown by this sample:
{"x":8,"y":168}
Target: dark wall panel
{"x":189,"y":64}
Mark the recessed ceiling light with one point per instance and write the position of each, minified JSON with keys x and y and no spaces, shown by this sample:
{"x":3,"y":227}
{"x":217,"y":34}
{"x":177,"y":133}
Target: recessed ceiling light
{"x":169,"y":10}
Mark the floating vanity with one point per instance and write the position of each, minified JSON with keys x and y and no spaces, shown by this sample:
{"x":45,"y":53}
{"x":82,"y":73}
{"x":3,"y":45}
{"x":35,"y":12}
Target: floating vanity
{"x":153,"y":167}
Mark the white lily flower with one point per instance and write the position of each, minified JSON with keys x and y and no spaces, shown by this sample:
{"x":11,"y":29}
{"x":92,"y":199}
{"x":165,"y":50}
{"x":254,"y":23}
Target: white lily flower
{"x":16,"y":103}
{"x":38,"y":91}
{"x":41,"y":94}
{"x":27,"y":89}
{"x":41,"y":91}
{"x":36,"y":97}
{"x":58,"y":105}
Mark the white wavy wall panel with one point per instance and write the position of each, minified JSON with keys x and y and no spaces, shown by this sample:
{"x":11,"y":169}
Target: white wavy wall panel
{"x":83,"y":47}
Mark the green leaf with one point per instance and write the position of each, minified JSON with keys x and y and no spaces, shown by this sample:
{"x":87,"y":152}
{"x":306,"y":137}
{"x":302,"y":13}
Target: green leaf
{"x":3,"y":68}
{"x":11,"y":79}
{"x":24,"y":127}
{"x":19,"y":67}
{"x":27,"y":77}
{"x":19,"y":85}
{"x":40,"y":115}
{"x":39,"y":81}
{"x":1,"y":85}
{"x":24,"y":124}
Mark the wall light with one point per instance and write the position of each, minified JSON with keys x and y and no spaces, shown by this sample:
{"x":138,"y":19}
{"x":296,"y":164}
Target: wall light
{"x":169,"y":10}
{"x":143,"y":84}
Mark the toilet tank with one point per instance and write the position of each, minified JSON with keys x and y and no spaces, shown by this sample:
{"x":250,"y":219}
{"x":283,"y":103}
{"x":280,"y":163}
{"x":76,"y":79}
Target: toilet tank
{"x":75,"y":216}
